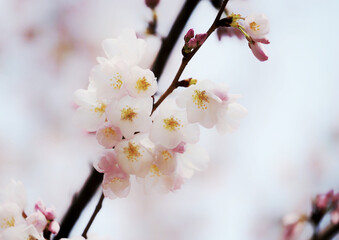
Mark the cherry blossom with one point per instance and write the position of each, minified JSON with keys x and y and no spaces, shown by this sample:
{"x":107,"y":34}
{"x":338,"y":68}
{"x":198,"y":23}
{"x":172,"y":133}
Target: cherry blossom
{"x":91,"y":113}
{"x":142,"y":83}
{"x":116,"y":182}
{"x":133,"y":157}
{"x":211,"y":105}
{"x":108,"y":135}
{"x":257,"y":26}
{"x":131,"y":115}
{"x":258,"y":51}
{"x":127,"y":46}
{"x":170,"y":127}
{"x":109,"y":79}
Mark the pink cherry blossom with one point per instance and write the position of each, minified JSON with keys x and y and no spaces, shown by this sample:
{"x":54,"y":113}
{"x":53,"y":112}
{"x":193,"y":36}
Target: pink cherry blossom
{"x":108,"y":135}
{"x":116,"y":181}
{"x":38,"y":220}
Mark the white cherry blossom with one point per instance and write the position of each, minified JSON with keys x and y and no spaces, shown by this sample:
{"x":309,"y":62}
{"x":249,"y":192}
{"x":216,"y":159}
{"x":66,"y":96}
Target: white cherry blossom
{"x":91,"y":113}
{"x":127,"y":46}
{"x":170,"y":127}
{"x":131,"y":115}
{"x":142,"y":82}
{"x":257,"y":26}
{"x":211,"y":105}
{"x":133,"y":157}
{"x":109,"y":79}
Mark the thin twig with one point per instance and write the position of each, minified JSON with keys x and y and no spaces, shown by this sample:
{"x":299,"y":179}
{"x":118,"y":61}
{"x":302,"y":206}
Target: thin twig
{"x":186,"y":59}
{"x":96,"y":211}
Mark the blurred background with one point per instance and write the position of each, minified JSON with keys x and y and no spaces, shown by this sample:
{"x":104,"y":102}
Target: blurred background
{"x":285,"y":151}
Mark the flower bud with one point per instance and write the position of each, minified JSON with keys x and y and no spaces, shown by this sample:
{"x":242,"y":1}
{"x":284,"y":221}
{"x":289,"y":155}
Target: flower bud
{"x":54,"y":227}
{"x":189,"y":35}
{"x":201,"y":38}
{"x":193,"y":43}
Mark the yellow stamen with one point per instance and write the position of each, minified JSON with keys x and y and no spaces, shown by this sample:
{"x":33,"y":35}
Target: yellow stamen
{"x":7,"y":222}
{"x":166,"y":155}
{"x":100,"y":109}
{"x":128,"y":114}
{"x":200,"y":98}
{"x":109,"y":132}
{"x":154,"y":171}
{"x":132,"y":152}
{"x":172,"y":124}
{"x":116,"y":81}
{"x":254,"y":26}
{"x":142,"y":85}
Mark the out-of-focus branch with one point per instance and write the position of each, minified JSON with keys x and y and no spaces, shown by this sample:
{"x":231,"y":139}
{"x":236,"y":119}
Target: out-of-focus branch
{"x":328,"y":233}
{"x":79,"y":202}
{"x":169,"y":42}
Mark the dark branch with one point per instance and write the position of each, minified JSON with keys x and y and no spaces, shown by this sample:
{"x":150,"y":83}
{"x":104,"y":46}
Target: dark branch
{"x":79,"y":202}
{"x":96,"y":211}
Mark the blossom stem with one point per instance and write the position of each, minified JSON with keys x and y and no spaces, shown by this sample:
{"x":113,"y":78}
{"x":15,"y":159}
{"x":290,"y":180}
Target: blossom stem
{"x":187,"y":58}
{"x":96,"y":211}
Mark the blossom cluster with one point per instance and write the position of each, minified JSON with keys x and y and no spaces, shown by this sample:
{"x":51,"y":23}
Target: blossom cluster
{"x":160,"y":150}
{"x":322,"y":205}
{"x":15,"y":224}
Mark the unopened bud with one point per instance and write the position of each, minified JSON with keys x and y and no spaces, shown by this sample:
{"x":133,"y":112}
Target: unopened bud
{"x":201,"y":38}
{"x":193,"y":43}
{"x":54,"y":227}
{"x":189,"y":35}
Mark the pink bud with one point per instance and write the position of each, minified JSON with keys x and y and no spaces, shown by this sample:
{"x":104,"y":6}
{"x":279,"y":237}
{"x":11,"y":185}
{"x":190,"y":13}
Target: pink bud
{"x":40,"y":206}
{"x":193,"y":43}
{"x":54,"y":227}
{"x":258,"y":51}
{"x":152,"y":3}
{"x":189,"y":35}
{"x":201,"y":38}
{"x":322,"y":200}
{"x":50,"y":213}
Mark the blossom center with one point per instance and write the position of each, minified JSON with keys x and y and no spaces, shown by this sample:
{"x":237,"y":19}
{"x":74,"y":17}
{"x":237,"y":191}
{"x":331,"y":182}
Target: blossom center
{"x":115,"y":180}
{"x":128,"y":114}
{"x":132,"y":152}
{"x":254,"y":26}
{"x":109,"y":132}
{"x":200,"y":99}
{"x":117,"y":82}
{"x":7,"y":222}
{"x":166,"y":155}
{"x":154,"y":171}
{"x":172,"y":124}
{"x":100,"y":109}
{"x":142,"y":85}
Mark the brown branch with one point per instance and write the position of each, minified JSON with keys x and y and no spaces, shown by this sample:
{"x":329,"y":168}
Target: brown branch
{"x":96,"y":211}
{"x":188,"y":57}
{"x":79,"y":202}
